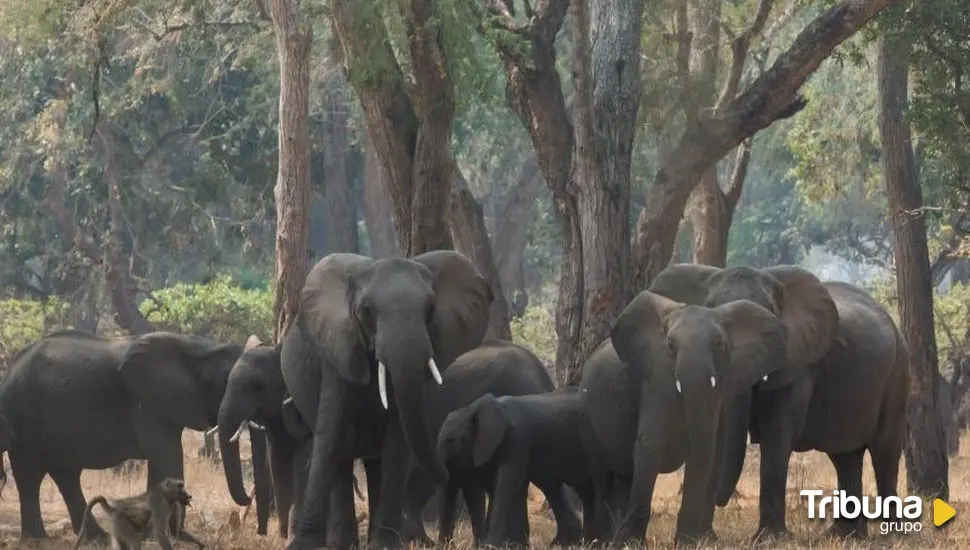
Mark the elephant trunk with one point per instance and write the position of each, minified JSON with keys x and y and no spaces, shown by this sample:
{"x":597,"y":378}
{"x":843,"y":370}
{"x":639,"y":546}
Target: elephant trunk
{"x":410,"y":366}
{"x":702,"y":410}
{"x":231,"y":417}
{"x":734,"y":437}
{"x":261,"y":477}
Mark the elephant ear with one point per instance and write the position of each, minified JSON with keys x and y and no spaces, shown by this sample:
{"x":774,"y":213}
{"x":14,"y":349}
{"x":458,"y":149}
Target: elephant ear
{"x":685,"y":283}
{"x":326,"y":318}
{"x":462,"y":301}
{"x":808,"y":312}
{"x":167,"y":373}
{"x":756,"y":340}
{"x":489,"y":428}
{"x":638,"y":332}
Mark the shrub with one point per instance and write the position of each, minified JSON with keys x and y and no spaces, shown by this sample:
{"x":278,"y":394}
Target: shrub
{"x":537,"y":331}
{"x":220,"y":309}
{"x":23,"y":322}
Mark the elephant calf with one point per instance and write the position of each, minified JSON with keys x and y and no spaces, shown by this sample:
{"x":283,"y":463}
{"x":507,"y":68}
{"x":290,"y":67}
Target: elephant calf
{"x":515,"y":440}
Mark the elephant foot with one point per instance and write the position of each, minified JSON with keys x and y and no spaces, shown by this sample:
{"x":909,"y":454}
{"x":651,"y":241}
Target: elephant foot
{"x":413,"y":533}
{"x":770,"y":536}
{"x":384,"y":539}
{"x":846,"y":530}
{"x":625,"y":539}
{"x":305,"y":542}
{"x":695,"y":539}
{"x":568,"y":535}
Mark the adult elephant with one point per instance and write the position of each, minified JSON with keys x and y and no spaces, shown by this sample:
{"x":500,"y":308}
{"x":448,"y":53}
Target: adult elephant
{"x":655,"y":397}
{"x":367,"y":341}
{"x":74,"y":401}
{"x":845,"y":389}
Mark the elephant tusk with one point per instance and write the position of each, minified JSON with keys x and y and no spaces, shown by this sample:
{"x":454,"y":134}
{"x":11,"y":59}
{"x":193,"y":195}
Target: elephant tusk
{"x":256,"y":426}
{"x":382,"y":382}
{"x":288,"y":400}
{"x":242,"y":427}
{"x":765,"y":378}
{"x":434,"y":371}
{"x":713,"y":382}
{"x":212,"y":431}
{"x":678,"y":386}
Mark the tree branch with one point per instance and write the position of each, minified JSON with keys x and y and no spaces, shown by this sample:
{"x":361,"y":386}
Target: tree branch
{"x":739,"y":53}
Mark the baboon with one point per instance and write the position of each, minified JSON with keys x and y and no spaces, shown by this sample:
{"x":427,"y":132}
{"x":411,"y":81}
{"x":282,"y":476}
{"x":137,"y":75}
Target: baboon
{"x":134,"y":518}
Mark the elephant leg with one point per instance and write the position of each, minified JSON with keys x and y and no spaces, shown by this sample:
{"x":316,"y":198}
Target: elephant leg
{"x":386,"y":522}
{"x":848,"y":468}
{"x":28,"y":477}
{"x":301,"y":462}
{"x":331,"y":423}
{"x":342,"y":530}
{"x":588,"y":498}
{"x":282,"y":456}
{"x":447,"y":497}
{"x":372,"y":470}
{"x":69,"y":484}
{"x":649,"y":452}
{"x":511,"y":492}
{"x":419,"y":491}
{"x":569,"y":530}
{"x":162,"y":442}
{"x":474,"y":496}
{"x":779,"y":415}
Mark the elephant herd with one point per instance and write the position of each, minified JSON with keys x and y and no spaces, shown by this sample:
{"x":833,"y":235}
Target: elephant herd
{"x":388,"y":363}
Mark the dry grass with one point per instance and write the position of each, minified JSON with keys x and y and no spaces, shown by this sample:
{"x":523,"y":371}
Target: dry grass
{"x":224,"y":526}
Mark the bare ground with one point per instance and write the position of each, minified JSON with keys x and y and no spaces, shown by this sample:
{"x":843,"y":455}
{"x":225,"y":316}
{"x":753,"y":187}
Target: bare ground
{"x":224,"y":526}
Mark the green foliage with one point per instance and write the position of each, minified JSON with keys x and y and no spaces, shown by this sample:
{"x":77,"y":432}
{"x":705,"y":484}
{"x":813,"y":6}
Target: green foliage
{"x":951,"y":317}
{"x":537,"y":331}
{"x":23,"y":322}
{"x":221,"y":310}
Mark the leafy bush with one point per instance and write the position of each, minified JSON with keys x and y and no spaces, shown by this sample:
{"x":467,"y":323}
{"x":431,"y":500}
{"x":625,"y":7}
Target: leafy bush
{"x":22,"y":322}
{"x":537,"y":331}
{"x":221,"y":309}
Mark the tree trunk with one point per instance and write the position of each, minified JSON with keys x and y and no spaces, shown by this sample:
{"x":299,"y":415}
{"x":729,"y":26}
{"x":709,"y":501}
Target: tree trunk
{"x":772,"y":96}
{"x":470,"y":235}
{"x":607,"y":73}
{"x":294,"y":37}
{"x":926,"y":459}
{"x":412,"y":135}
{"x":712,"y":210}
{"x":377,"y":207}
{"x":341,"y":212}
{"x":513,"y":218}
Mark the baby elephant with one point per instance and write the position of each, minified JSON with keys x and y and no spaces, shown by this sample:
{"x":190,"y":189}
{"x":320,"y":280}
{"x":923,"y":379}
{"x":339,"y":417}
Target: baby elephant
{"x":515,"y":440}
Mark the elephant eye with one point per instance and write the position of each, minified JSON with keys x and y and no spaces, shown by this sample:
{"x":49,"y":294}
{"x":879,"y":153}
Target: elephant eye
{"x":671,"y":347}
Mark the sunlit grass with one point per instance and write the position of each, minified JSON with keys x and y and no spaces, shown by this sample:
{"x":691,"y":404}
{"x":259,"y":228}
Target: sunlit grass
{"x":224,"y":526}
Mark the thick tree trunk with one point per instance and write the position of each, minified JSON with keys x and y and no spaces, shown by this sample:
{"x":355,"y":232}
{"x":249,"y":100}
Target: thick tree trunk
{"x":412,"y":136}
{"x":377,"y":207}
{"x":470,"y":235}
{"x":712,"y":210}
{"x":926,"y":459}
{"x":341,"y":212}
{"x":774,"y":95}
{"x":294,"y":38}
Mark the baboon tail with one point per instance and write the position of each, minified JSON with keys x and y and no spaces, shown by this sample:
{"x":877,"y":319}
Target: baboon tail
{"x":87,"y":514}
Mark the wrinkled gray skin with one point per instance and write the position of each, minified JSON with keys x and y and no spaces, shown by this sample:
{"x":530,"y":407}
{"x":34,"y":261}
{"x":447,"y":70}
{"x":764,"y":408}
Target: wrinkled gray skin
{"x":355,"y":312}
{"x":678,"y":367}
{"x":109,"y":400}
{"x":515,"y":440}
{"x":844,"y":390}
{"x":499,"y":368}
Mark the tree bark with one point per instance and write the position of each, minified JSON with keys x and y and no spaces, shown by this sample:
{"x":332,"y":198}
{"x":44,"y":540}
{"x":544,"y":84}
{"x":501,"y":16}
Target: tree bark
{"x":773,"y":96}
{"x":341,"y":212}
{"x":927,"y":467}
{"x":294,"y":38}
{"x":712,"y":211}
{"x":377,"y":207}
{"x":412,"y":135}
{"x":513,"y":218}
{"x":467,"y":222}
